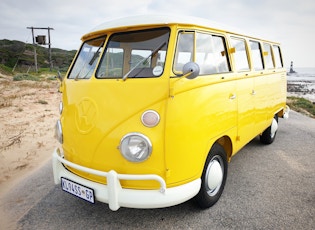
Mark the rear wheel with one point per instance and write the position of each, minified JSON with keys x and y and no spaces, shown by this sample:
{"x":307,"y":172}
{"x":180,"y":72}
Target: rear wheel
{"x":213,"y":177}
{"x":269,"y":135}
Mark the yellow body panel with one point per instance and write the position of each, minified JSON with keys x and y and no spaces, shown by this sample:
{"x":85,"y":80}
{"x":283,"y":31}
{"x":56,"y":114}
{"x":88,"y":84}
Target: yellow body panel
{"x":101,"y":113}
{"x":197,"y":115}
{"x":230,"y":108}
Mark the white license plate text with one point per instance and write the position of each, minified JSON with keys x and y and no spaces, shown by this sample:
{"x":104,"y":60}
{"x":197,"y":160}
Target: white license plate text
{"x":78,"y":190}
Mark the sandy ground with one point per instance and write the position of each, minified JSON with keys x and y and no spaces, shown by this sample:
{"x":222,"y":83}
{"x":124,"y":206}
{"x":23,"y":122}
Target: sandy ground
{"x":28,"y":113}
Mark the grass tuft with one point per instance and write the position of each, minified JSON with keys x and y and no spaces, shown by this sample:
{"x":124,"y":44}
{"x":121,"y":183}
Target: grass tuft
{"x":25,"y":76}
{"x":302,"y":105}
{"x":43,"y":102}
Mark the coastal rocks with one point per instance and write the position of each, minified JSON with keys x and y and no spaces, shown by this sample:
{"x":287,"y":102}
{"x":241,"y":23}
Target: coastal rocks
{"x":300,"y":87}
{"x":305,"y":89}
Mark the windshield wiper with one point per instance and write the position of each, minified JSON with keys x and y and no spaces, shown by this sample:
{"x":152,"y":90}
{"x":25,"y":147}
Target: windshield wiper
{"x":144,"y":59}
{"x":95,"y":55}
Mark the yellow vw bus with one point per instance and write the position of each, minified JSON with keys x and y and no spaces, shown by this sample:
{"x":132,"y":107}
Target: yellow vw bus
{"x":154,"y":107}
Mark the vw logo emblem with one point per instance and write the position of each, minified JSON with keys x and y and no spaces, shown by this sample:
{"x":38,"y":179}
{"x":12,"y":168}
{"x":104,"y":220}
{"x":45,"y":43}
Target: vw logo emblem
{"x":86,"y":114}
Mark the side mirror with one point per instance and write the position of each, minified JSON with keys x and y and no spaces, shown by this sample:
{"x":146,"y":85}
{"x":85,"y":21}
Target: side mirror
{"x":60,"y":78}
{"x":191,"y":70}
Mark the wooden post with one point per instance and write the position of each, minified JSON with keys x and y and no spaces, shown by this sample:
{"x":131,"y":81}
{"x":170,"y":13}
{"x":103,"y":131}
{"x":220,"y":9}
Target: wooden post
{"x":49,"y":45}
{"x":49,"y":50}
{"x":35,"y":54}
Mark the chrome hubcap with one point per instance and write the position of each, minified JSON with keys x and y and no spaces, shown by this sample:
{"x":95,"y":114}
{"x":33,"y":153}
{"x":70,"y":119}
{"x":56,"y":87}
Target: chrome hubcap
{"x":274,"y":128}
{"x":214,"y":175}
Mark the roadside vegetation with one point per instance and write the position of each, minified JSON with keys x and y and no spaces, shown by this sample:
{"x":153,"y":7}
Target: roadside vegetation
{"x":15,"y":86}
{"x":302,"y":105}
{"x":43,"y":74}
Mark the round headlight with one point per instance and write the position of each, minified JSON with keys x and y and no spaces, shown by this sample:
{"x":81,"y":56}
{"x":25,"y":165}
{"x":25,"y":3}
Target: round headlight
{"x":135,"y":147}
{"x":150,"y":118}
{"x":58,"y":132}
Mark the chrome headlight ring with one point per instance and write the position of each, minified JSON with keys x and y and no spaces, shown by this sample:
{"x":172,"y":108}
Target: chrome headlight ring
{"x":58,"y":132}
{"x":135,"y":147}
{"x":60,"y":107}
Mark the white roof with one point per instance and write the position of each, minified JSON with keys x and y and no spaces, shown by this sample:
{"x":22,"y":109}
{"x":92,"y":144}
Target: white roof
{"x":156,"y":19}
{"x":162,"y":20}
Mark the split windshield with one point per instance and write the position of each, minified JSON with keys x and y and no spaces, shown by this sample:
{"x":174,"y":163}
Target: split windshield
{"x":137,"y":54}
{"x":134,"y":54}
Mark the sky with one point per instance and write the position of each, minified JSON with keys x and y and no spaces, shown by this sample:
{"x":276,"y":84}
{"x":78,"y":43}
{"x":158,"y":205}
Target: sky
{"x":292,"y":23}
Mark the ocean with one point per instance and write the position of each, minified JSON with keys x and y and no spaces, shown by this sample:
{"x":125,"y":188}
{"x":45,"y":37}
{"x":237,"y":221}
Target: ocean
{"x":302,"y":83}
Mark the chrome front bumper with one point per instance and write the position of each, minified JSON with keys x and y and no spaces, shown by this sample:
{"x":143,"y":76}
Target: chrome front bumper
{"x":113,"y":194}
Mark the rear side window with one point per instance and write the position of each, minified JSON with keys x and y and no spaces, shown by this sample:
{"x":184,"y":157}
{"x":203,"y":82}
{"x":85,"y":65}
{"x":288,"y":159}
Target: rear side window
{"x":268,"y":56}
{"x":256,"y":54}
{"x":240,"y":54}
{"x":211,"y":54}
{"x":277,"y":56}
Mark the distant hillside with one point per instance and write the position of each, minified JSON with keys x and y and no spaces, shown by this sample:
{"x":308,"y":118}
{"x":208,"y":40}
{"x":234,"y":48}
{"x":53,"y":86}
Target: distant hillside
{"x":21,"y":56}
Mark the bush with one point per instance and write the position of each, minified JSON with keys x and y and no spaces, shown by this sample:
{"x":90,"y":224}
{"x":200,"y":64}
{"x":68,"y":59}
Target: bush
{"x":5,"y":69}
{"x":25,"y":76}
{"x":302,"y":105}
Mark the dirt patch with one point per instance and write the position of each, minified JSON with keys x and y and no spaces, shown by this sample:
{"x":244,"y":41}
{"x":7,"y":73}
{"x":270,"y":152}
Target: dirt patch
{"x":28,"y":113}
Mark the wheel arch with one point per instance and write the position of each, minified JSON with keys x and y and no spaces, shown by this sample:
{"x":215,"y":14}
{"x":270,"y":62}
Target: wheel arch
{"x":226,"y":143}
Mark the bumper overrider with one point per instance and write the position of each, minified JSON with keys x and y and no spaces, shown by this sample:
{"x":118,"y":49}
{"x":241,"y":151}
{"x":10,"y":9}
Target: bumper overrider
{"x":113,"y":194}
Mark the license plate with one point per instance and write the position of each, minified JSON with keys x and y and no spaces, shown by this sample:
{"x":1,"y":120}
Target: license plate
{"x":77,"y":190}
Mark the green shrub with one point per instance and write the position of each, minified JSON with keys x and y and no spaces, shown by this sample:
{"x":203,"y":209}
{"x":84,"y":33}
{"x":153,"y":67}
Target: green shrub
{"x":301,"y":105}
{"x":25,"y":76}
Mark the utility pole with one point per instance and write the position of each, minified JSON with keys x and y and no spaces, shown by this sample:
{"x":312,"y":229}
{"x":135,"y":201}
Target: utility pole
{"x":35,"y":54}
{"x":41,"y":40}
{"x":49,"y":49}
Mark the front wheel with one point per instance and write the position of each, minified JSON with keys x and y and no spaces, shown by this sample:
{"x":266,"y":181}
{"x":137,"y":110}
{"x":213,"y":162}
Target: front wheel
{"x":213,"y":177}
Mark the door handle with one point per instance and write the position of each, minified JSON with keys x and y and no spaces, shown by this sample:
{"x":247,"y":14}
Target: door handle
{"x":232,"y":96}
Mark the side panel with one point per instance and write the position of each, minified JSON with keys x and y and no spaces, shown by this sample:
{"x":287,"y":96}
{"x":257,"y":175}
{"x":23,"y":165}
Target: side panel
{"x":266,"y":95}
{"x":202,"y":110}
{"x":270,"y":97}
{"x":199,"y":111}
{"x":246,"y":112}
{"x":260,"y":97}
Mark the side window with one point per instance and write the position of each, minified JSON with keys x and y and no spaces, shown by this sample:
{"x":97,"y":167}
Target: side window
{"x":268,"y":56}
{"x":87,"y":59}
{"x":184,"y":50}
{"x":240,"y":54}
{"x":211,"y":54}
{"x":277,"y":56}
{"x":256,"y":54}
